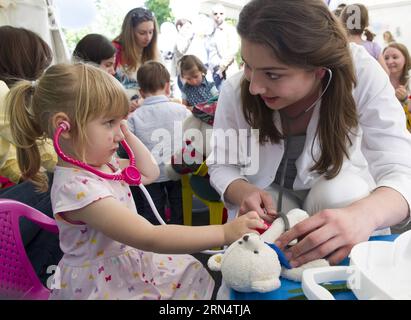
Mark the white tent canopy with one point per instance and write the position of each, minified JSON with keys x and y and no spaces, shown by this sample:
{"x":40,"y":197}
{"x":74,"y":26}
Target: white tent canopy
{"x":38,"y":16}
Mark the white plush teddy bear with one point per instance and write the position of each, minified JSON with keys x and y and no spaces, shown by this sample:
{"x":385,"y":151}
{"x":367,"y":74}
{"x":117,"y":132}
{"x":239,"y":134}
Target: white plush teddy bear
{"x":244,"y":270}
{"x":248,"y":265}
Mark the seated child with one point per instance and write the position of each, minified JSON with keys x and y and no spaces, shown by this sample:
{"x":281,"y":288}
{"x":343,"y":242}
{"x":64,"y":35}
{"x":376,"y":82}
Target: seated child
{"x":196,"y":88}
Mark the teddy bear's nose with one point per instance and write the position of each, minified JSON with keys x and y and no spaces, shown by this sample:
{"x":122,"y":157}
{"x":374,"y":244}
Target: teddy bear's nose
{"x":245,"y":238}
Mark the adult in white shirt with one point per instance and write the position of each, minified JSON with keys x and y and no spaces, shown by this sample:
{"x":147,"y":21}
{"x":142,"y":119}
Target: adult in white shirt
{"x":348,"y":153}
{"x":222,"y":47}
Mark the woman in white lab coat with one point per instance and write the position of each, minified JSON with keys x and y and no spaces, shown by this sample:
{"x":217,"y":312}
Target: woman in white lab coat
{"x":318,"y":127}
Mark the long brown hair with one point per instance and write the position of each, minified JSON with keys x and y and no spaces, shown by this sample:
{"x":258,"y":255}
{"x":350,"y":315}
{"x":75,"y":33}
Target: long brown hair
{"x":23,"y":55}
{"x":405,"y":77}
{"x":305,"y":34}
{"x":83,"y":92}
{"x":127,"y":38}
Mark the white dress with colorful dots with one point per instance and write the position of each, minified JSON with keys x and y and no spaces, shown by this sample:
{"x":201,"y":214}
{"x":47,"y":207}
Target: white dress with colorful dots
{"x":96,"y":267}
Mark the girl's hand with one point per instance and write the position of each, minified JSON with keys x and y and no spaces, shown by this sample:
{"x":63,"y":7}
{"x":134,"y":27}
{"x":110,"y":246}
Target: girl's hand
{"x":261,"y":202}
{"x":247,"y":223}
{"x":124,"y":129}
{"x":330,"y":233}
{"x":401,"y":93}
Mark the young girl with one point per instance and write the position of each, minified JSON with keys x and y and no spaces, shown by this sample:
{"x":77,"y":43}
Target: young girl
{"x":98,"y":224}
{"x":398,"y":61}
{"x":196,"y":89}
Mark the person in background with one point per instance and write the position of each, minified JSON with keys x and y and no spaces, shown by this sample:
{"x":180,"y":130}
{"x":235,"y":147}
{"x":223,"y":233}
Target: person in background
{"x":24,"y":55}
{"x":189,"y":42}
{"x":356,"y":30}
{"x":388,"y":37}
{"x":136,"y":44}
{"x":329,"y":135}
{"x":398,"y":60}
{"x":97,"y":49}
{"x":157,"y":111}
{"x":222,"y":47}
{"x":196,"y":88}
{"x":337,"y":12}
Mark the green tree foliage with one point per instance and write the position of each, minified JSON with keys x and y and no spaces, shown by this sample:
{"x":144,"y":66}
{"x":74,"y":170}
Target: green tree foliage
{"x":161,"y":9}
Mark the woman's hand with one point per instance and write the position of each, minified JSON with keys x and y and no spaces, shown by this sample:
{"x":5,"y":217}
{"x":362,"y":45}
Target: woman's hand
{"x":328,"y":234}
{"x":261,"y":202}
{"x":401,"y":93}
{"x":247,"y":223}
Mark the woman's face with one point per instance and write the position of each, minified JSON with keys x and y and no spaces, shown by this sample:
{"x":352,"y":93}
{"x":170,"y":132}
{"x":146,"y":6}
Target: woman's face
{"x":144,"y":32}
{"x":279,"y":85}
{"x":395,"y":60}
{"x":108,"y":65}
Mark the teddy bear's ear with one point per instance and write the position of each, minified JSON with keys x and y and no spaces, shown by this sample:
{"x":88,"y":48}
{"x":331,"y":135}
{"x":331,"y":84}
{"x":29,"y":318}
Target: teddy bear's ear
{"x":214,"y":262}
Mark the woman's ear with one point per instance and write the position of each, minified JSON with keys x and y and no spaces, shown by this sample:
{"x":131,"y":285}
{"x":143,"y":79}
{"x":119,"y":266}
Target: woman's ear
{"x":57,"y":119}
{"x":320,"y":73}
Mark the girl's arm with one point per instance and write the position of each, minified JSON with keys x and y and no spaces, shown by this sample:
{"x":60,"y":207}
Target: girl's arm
{"x":119,"y":223}
{"x":145,"y":161}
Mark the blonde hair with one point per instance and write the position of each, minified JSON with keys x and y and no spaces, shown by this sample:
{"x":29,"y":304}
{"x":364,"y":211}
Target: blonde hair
{"x":83,"y":92}
{"x":305,"y":34}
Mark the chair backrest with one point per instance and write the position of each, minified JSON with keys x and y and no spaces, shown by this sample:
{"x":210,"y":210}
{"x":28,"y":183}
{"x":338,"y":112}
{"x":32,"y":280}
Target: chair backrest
{"x":18,"y":279}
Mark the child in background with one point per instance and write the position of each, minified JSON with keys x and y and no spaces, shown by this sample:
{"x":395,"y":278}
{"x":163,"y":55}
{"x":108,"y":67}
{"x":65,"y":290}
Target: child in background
{"x":196,"y":88}
{"x":158,"y":112}
{"x":108,"y":248}
{"x":98,"y":49}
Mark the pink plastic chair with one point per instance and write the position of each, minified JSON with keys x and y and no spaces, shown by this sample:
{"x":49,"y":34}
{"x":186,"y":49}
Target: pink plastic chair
{"x":18,"y":279}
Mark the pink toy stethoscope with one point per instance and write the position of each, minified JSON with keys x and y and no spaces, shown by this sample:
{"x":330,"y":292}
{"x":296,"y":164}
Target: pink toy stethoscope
{"x":130,"y":174}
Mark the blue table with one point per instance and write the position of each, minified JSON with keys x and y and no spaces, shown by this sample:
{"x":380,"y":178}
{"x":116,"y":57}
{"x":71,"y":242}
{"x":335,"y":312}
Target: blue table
{"x":290,"y":289}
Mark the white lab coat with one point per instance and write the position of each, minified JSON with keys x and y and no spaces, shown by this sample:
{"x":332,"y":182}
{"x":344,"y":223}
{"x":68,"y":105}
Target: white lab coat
{"x":381,"y":151}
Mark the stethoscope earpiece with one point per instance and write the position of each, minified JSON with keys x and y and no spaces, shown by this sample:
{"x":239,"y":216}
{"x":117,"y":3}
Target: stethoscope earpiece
{"x":64,"y":125}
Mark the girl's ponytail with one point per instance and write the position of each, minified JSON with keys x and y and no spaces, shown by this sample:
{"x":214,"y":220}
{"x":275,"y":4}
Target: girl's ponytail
{"x":26,"y":131}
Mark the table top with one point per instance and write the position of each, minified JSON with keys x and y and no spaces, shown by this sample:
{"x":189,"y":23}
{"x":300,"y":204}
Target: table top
{"x":291,"y":290}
